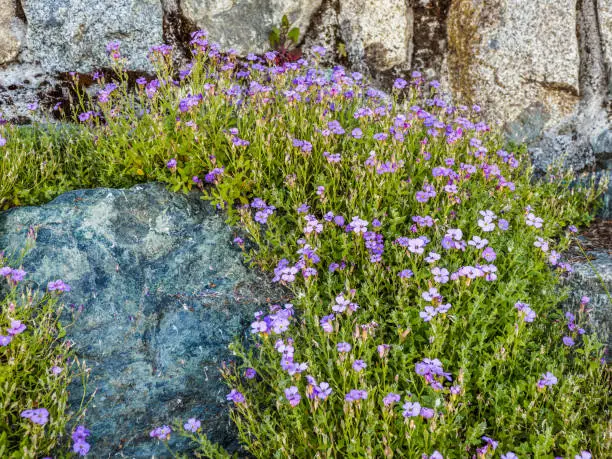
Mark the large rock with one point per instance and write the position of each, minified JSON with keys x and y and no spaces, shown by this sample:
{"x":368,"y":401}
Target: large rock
{"x":11,"y":31}
{"x":377,"y":32}
{"x":594,"y":280}
{"x":515,"y":57}
{"x":162,"y":293}
{"x":245,"y":24}
{"x":604,"y":14}
{"x":71,"y":35}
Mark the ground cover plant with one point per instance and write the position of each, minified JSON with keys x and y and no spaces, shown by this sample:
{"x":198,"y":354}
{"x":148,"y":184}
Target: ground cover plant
{"x":422,"y":257}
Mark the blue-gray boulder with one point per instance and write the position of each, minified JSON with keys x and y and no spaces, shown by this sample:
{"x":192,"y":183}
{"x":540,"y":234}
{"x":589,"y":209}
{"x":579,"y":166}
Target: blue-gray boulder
{"x":158,"y":292}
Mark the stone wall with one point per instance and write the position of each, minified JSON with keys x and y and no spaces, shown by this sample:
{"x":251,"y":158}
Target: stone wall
{"x":542,"y":67}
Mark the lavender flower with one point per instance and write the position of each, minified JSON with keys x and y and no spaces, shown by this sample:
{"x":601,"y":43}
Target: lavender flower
{"x":161,"y":433}
{"x":293,"y":396}
{"x":16,"y":328}
{"x":235,"y":397}
{"x":547,"y":379}
{"x":391,"y":398}
{"x":58,"y":286}
{"x":355,"y":395}
{"x":411,"y":409}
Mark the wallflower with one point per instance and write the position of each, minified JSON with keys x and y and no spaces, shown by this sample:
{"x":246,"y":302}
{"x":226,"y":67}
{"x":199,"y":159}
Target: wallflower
{"x":293,"y":396}
{"x":58,"y":286}
{"x":16,"y":328}
{"x":411,"y":409}
{"x":355,"y":395}
{"x":432,"y":257}
{"x":489,"y":254}
{"x":17,"y":275}
{"x":358,"y":225}
{"x":39,"y":416}
{"x":478,"y":242}
{"x":441,"y":275}
{"x":161,"y":433}
{"x":547,"y":379}
{"x":235,"y":396}
{"x":250,"y":373}
{"x":391,"y":398}
{"x":532,"y":220}
{"x":525,"y":312}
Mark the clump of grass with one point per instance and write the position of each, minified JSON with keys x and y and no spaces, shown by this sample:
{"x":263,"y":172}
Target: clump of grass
{"x":422,"y":257}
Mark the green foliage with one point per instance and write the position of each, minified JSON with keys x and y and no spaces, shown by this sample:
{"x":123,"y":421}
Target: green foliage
{"x":27,"y":379}
{"x":495,"y":358}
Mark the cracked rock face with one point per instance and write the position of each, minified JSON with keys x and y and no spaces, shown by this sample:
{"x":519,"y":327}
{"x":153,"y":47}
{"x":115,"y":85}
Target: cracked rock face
{"x":11,"y":31}
{"x":525,"y":53}
{"x":71,"y":35}
{"x":162,"y":293}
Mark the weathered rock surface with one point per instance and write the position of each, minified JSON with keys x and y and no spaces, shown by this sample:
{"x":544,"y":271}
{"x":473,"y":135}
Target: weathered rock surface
{"x":71,"y":35}
{"x":513,"y":55}
{"x":604,"y":14}
{"x":11,"y":31}
{"x":593,"y":280}
{"x":377,"y":32}
{"x":245,"y":24}
{"x":162,"y":293}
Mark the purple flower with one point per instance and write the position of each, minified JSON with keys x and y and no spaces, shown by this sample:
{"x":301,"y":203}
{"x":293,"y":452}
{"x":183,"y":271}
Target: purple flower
{"x":405,"y":274}
{"x":400,"y":83}
{"x":568,"y":341}
{"x":192,"y":425}
{"x":81,"y":447}
{"x":359,"y":365}
{"x":39,"y":416}
{"x":356,"y":395}
{"x":489,"y":254}
{"x":17,"y":275}
{"x":525,"y":312}
{"x":411,"y":409}
{"x":344,"y":347}
{"x":235,"y":396}
{"x":59,"y":286}
{"x":323,"y":390}
{"x":320,"y":50}
{"x":2,"y":141}
{"x":357,"y":133}
{"x":391,"y":398}
{"x":250,"y":373}
{"x":509,"y":455}
{"x":161,"y":433}
{"x":428,"y":314}
{"x":436,"y":455}
{"x":171,"y":164}
{"x":532,"y":220}
{"x":585,"y":300}
{"x":358,"y":225}
{"x":16,"y":328}
{"x":427,"y":413}
{"x":56,"y":370}
{"x":5,"y":340}
{"x":293,"y":396}
{"x":503,"y":224}
{"x":583,"y":455}
{"x":547,"y":379}
{"x":440,"y":275}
